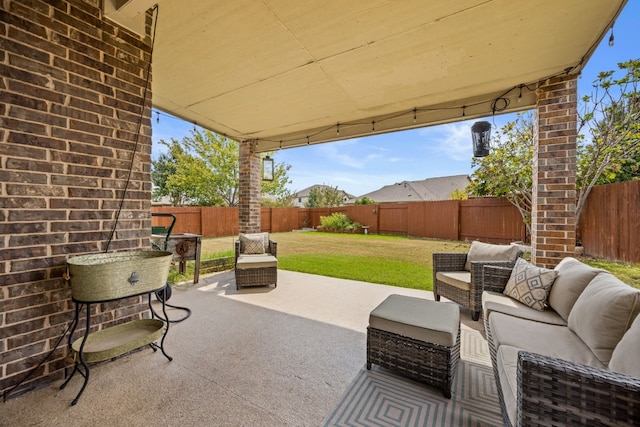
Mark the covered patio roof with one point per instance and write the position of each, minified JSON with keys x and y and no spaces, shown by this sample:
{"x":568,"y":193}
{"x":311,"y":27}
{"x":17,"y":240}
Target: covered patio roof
{"x":289,"y":73}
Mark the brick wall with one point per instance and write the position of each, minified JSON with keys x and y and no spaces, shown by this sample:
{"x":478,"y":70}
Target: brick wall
{"x":553,"y":222}
{"x":71,"y":94}
{"x":249,"y":189}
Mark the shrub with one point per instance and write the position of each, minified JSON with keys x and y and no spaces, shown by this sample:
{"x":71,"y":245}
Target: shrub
{"x":337,"y":220}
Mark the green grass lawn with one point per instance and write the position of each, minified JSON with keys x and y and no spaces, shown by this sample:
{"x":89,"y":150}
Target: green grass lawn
{"x":390,"y":260}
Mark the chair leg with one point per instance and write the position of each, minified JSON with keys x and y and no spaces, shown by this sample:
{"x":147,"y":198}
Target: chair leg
{"x":475,"y":315}
{"x":437,"y":297}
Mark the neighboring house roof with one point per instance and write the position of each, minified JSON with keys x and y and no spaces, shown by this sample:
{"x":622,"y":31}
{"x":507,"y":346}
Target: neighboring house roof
{"x":439,"y":188}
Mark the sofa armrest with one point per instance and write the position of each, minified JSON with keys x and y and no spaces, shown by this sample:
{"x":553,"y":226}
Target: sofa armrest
{"x":273,"y":248}
{"x":556,"y":392}
{"x":477,"y":278}
{"x":448,"y":261}
{"x":495,"y":278}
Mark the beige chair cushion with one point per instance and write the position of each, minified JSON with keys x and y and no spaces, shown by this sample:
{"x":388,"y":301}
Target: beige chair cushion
{"x":458,"y":279}
{"x":254,"y":243}
{"x":626,"y":356}
{"x":542,"y":338}
{"x":573,"y":277}
{"x":530,"y":284}
{"x":488,"y":252}
{"x":417,"y":318}
{"x":494,"y":302}
{"x":507,"y":362}
{"x":256,"y":261}
{"x":603,"y":313}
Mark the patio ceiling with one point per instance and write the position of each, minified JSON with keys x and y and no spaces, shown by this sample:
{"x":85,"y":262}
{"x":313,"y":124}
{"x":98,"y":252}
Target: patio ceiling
{"x":286,"y":72}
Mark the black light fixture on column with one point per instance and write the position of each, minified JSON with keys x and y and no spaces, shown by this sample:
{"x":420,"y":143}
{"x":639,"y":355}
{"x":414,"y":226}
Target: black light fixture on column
{"x":481,"y":134}
{"x":267,"y":168}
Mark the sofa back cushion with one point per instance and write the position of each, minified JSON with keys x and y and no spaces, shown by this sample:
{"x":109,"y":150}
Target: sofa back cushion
{"x":603,"y":313}
{"x":625,"y":358}
{"x":573,"y":277}
{"x":489,"y":252}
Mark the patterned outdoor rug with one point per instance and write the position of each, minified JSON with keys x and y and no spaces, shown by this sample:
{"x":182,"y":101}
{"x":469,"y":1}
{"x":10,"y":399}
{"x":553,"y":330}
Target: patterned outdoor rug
{"x":381,"y":398}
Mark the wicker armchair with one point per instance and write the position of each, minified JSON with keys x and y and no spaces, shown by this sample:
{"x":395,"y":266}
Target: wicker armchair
{"x":453,"y":281}
{"x":256,"y":269}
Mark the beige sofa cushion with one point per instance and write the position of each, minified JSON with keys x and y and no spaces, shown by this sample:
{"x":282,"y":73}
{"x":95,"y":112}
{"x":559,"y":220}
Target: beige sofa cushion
{"x":573,"y":277}
{"x":254,"y":243}
{"x":542,"y":338}
{"x":507,"y":361}
{"x":256,"y":261}
{"x":603,"y":313}
{"x":501,"y":303}
{"x":488,"y":252}
{"x":418,"y":318}
{"x":626,"y":356}
{"x":458,"y":279}
{"x":530,"y":284}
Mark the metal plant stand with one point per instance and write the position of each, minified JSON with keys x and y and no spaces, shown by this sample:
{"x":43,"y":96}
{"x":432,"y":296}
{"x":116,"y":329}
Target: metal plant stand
{"x":114,"y":341}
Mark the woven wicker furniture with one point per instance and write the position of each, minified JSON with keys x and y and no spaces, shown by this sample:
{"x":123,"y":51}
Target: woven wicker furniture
{"x":459,"y":279}
{"x":574,"y":363}
{"x":417,"y":338}
{"x":256,"y":269}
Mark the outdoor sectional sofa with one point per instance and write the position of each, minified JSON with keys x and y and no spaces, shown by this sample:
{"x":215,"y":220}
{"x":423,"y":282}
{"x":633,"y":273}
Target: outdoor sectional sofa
{"x":577,"y":361}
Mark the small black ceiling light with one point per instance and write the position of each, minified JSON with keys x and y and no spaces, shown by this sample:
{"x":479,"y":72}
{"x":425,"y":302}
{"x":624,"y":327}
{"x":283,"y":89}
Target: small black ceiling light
{"x":267,"y":168}
{"x":481,"y":134}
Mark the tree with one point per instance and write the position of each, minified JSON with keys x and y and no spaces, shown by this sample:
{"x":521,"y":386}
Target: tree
{"x":508,"y":170}
{"x":458,"y":194}
{"x":161,"y":171}
{"x":609,"y":131}
{"x":205,"y":171}
{"x":364,"y":201}
{"x":324,"y":196}
{"x":608,"y":148}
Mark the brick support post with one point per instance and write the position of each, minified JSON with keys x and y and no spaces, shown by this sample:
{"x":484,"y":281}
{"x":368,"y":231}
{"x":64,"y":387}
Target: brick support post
{"x":249,"y":191}
{"x":73,"y":111}
{"x":553,"y":222}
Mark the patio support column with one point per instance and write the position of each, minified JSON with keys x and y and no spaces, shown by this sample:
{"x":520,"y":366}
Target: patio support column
{"x":249,"y":188}
{"x":553,"y":220}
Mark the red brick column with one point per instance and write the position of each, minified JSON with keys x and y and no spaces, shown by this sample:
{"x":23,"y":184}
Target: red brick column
{"x":249,"y":191}
{"x":553,"y":222}
{"x":72,"y":86}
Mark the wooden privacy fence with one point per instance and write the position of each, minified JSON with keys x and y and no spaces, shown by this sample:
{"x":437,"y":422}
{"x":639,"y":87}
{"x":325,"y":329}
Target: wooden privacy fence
{"x":488,"y":219}
{"x":609,"y":225}
{"x":608,"y":228}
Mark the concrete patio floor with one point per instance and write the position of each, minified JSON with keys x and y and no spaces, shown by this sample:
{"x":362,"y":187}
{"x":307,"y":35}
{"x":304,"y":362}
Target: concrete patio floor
{"x":256,"y":357}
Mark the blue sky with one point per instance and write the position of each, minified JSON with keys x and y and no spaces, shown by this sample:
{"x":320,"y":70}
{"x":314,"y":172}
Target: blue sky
{"x":362,"y":165}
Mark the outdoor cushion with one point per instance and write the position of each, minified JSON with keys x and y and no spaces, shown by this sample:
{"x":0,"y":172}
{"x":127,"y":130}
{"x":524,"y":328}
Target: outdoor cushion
{"x":501,"y":303}
{"x":489,"y":252}
{"x":254,"y":243}
{"x":625,"y":358}
{"x":573,"y":277}
{"x":507,"y":362}
{"x":459,"y":279}
{"x":256,"y":261}
{"x":603,"y":313}
{"x":418,"y":318}
{"x":530,"y":284}
{"x":542,"y":338}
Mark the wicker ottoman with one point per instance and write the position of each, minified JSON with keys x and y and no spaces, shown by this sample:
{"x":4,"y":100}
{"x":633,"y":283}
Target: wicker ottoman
{"x":418,"y":338}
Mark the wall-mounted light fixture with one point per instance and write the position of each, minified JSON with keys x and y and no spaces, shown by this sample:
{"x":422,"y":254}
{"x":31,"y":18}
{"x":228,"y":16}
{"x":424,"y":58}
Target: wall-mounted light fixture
{"x":481,"y":134}
{"x":267,"y":168}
